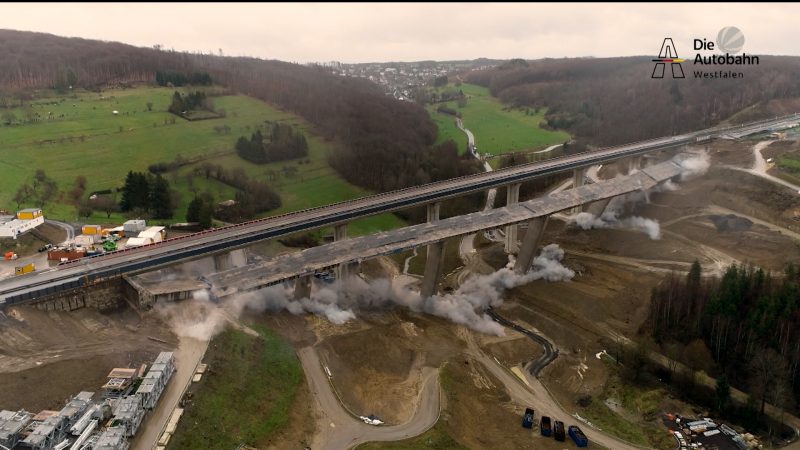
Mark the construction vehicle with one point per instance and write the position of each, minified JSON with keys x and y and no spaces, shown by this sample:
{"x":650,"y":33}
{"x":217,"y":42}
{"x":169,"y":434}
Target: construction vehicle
{"x":558,"y":431}
{"x":22,"y":270}
{"x":527,"y":419}
{"x":577,"y":435}
{"x":544,"y":426}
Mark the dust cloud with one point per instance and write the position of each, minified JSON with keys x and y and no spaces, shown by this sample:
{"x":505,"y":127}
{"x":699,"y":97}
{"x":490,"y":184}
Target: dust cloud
{"x":201,"y":318}
{"x":609,"y":219}
{"x":695,"y":165}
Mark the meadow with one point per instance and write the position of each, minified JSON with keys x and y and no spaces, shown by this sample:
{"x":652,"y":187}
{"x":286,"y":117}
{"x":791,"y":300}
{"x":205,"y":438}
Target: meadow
{"x":80,"y":135}
{"x":498,"y":128}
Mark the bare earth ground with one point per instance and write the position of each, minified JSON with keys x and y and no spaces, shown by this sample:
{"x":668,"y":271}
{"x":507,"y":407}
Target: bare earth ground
{"x":47,"y":356}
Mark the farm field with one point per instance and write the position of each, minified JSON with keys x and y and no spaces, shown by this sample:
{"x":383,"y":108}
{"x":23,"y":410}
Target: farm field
{"x":497,"y":127}
{"x":78,"y":134}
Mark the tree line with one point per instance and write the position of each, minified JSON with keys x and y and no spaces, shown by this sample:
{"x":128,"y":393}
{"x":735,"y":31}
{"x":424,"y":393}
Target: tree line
{"x":599,"y":98}
{"x":175,"y":79}
{"x":252,"y":196}
{"x":149,"y":194}
{"x":284,"y":143}
{"x":189,"y":102}
{"x":748,"y":320}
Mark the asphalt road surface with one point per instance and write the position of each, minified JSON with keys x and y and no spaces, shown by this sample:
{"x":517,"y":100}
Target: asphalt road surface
{"x":69,"y":229}
{"x":549,"y":355}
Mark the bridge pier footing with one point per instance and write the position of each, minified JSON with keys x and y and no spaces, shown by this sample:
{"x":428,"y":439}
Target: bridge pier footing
{"x":512,"y":197}
{"x":530,"y":244}
{"x":302,"y":287}
{"x":433,"y":269}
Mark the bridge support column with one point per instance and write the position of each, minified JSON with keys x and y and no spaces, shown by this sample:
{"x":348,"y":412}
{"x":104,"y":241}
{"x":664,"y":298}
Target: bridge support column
{"x":512,"y":197}
{"x":579,"y":177}
{"x":339,"y":232}
{"x":530,"y":244}
{"x":342,"y":270}
{"x":222,"y":261}
{"x":433,"y":211}
{"x":302,"y":287}
{"x":433,"y":269}
{"x":578,"y":180}
{"x":634,"y":163}
{"x":596,"y":208}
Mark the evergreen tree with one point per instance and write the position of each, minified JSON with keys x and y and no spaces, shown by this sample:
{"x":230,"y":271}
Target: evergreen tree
{"x":193,"y":210}
{"x":160,"y":200}
{"x":206,"y":213}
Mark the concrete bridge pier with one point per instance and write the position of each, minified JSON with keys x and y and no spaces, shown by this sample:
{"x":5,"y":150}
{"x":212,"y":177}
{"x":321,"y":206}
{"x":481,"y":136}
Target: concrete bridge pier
{"x":223,"y":261}
{"x":530,"y":244}
{"x":512,"y":197}
{"x":634,"y":163}
{"x":433,"y":269}
{"x":342,"y":270}
{"x":302,"y":287}
{"x":578,"y":180}
{"x":433,"y":211}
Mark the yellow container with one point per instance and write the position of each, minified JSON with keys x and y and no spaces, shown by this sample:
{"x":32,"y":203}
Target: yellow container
{"x":91,"y":229}
{"x":29,"y":214}
{"x":22,"y":270}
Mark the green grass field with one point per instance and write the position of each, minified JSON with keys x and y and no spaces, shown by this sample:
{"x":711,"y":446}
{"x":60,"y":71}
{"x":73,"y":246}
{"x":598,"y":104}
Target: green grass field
{"x":246,"y":395}
{"x":448,"y":129}
{"x":84,"y":137}
{"x":497,"y":128}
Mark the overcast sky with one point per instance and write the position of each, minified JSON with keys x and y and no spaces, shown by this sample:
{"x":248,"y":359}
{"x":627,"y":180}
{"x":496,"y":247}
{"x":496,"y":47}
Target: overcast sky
{"x":414,"y":31}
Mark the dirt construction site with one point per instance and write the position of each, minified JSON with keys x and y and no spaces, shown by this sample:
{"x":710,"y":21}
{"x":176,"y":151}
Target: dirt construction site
{"x":382,"y":363}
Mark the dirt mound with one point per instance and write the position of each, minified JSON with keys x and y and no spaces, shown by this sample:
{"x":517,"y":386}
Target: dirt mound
{"x":377,"y":370}
{"x":515,"y":350}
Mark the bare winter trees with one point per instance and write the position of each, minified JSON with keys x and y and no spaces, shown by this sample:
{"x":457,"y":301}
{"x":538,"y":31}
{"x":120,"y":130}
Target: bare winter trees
{"x":744,"y":325}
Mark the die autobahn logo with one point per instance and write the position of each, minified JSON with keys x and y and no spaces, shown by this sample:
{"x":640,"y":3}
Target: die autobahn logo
{"x":730,"y":40}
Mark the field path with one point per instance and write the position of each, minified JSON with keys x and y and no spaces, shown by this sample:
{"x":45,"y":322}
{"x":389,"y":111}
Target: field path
{"x":337,"y":429}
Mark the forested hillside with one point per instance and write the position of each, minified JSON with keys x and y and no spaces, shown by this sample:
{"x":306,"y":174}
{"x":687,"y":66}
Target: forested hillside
{"x":746,"y":323}
{"x":355,"y":113}
{"x":614,"y":100}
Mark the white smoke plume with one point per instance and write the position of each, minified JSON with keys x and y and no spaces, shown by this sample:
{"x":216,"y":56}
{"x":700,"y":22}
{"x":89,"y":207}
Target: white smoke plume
{"x":694,"y":166}
{"x":338,"y":303}
{"x":609,"y":219}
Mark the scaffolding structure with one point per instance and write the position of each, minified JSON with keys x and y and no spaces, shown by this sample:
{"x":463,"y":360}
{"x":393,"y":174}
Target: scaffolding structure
{"x":128,"y":413}
{"x":11,"y":425}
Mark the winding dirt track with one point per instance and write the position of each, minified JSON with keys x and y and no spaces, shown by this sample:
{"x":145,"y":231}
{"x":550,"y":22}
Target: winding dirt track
{"x":338,"y":429}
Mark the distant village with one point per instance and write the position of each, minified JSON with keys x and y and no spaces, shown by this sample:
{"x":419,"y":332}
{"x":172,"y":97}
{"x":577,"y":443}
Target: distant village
{"x":400,"y":79}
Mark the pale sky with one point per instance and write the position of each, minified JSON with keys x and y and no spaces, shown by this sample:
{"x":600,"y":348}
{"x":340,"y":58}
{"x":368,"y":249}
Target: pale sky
{"x":351,"y":32}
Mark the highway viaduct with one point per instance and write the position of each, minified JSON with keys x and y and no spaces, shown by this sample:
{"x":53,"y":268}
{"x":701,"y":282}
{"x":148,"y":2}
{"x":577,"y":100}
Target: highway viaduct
{"x":79,"y":275}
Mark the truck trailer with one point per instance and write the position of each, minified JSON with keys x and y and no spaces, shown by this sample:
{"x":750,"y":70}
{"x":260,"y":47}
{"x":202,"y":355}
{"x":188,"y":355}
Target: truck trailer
{"x":544,"y":426}
{"x":558,"y":431}
{"x":527,"y":419}
{"x":577,"y":435}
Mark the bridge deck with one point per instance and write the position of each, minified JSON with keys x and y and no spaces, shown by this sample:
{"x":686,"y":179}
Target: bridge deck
{"x":308,"y":261}
{"x":87,"y":271}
